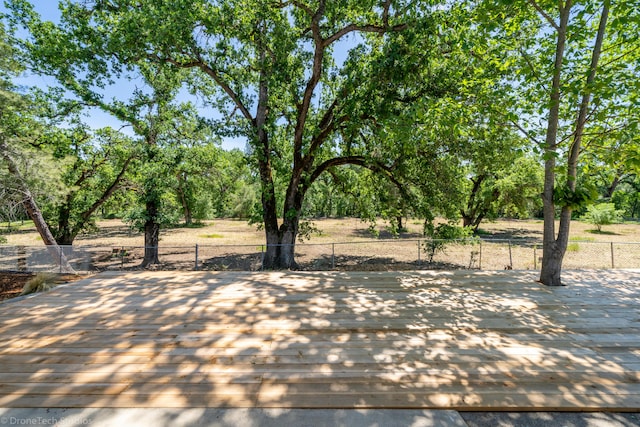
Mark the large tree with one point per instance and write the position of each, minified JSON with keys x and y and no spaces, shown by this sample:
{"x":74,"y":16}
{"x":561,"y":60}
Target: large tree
{"x":139,"y":93}
{"x":20,"y":131}
{"x":98,"y":165}
{"x":271,"y":70}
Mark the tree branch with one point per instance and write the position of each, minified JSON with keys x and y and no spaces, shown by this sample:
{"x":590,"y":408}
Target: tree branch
{"x":362,"y":28}
{"x":107,"y":193}
{"x":326,"y":125}
{"x":304,"y":7}
{"x":336,"y":161}
{"x":544,"y":14}
{"x":525,"y":132}
{"x":211,"y":72}
{"x":316,"y":73}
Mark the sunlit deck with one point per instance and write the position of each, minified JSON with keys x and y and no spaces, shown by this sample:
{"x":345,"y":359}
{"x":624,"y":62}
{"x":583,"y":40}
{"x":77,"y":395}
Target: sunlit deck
{"x":455,"y":340}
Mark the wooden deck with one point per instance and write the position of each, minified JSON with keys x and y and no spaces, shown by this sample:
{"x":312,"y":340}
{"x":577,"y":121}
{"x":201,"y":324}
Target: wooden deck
{"x":455,"y":340}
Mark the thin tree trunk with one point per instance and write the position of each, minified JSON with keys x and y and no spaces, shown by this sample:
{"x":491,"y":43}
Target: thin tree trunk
{"x":67,"y":233}
{"x":550,"y":274}
{"x":551,"y":253}
{"x":612,"y":188}
{"x":63,"y":233}
{"x":151,"y":234}
{"x":188,"y":217}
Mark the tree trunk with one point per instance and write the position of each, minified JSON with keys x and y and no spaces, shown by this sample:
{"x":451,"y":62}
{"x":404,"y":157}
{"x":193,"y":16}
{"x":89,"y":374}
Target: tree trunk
{"x":476,"y":209}
{"x":188,"y":217}
{"x":612,"y":188}
{"x":280,"y":254}
{"x":33,"y":211}
{"x":551,"y":253}
{"x":280,"y":250}
{"x":151,"y":235}
{"x":288,"y":235}
{"x":554,"y":248}
{"x":63,"y":233}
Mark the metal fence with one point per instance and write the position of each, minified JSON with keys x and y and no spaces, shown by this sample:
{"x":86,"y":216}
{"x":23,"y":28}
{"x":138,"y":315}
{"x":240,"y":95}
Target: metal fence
{"x":397,"y":254}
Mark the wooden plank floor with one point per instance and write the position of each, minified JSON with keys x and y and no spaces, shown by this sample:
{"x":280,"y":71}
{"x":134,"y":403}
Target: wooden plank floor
{"x":456,"y":340}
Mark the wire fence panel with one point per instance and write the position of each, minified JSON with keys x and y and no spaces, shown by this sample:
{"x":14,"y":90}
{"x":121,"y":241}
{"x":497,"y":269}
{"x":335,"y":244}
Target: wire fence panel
{"x":387,"y":254}
{"x":221,"y":258}
{"x":595,"y":254}
{"x":626,"y":255}
{"x":508,"y":255}
{"x":42,"y":259}
{"x":484,"y":254}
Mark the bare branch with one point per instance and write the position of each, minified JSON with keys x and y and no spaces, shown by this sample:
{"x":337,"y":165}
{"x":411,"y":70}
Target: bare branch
{"x":533,"y":69}
{"x":525,"y":132}
{"x":544,"y":14}
{"x":362,"y":28}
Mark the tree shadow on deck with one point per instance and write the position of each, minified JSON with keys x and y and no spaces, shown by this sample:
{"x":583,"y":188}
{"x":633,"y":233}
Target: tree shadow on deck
{"x":317,"y":340}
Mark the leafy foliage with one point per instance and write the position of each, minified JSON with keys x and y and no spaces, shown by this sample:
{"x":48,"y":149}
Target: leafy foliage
{"x":564,"y":196}
{"x":445,"y":234}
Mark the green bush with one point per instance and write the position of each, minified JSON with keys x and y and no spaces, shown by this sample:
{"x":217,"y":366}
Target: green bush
{"x":603,"y":214}
{"x":446,"y":234}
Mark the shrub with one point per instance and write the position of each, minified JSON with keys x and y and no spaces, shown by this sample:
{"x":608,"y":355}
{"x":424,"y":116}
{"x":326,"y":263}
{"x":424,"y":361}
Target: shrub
{"x":445,"y":234}
{"x":42,"y":282}
{"x":573,"y":247}
{"x":603,"y":214}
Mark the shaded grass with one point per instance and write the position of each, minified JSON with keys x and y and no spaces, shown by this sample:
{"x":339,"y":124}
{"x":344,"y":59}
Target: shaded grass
{"x":582,"y":239}
{"x":603,"y":232}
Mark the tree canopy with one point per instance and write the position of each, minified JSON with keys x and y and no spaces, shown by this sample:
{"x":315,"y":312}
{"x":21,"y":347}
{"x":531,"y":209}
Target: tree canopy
{"x":373,"y":108}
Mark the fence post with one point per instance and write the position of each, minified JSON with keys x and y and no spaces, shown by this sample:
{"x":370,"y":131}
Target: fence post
{"x":480,"y":256}
{"x":613,"y":264}
{"x":261,"y":257}
{"x":419,"y":260}
{"x":535,"y":257}
{"x":60,"y":260}
{"x":196,"y":257}
{"x":510,"y":256}
{"x":122,"y":258}
{"x":333,"y":256}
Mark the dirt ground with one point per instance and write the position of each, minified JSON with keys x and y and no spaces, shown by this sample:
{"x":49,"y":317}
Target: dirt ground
{"x":11,"y":283}
{"x":114,"y":233}
{"x":339,"y":244}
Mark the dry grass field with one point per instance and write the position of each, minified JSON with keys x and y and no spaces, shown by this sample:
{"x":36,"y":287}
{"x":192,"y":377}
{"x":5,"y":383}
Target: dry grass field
{"x":342,"y":230}
{"x":348,"y":244}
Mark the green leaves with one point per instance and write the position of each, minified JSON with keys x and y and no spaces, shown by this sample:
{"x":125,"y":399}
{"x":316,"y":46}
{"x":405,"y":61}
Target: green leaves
{"x":564,"y":196}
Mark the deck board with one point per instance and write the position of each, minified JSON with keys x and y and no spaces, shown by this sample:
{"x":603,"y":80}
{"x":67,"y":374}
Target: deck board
{"x":453,"y":340}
